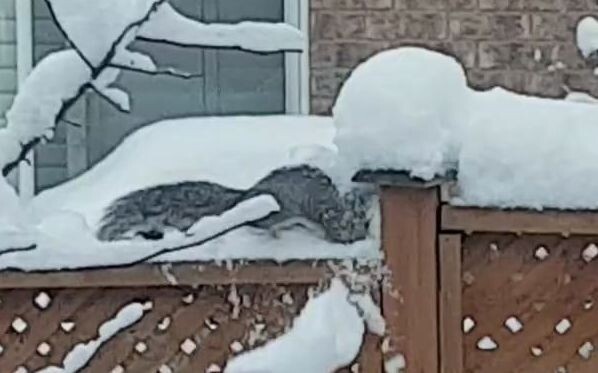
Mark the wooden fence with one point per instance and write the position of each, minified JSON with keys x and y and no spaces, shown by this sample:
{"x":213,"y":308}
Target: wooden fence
{"x":208,"y":315}
{"x":493,"y":291}
{"x":472,"y":290}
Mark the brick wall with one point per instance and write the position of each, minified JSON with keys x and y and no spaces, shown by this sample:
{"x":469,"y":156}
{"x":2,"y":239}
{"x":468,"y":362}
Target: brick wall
{"x":525,"y":45}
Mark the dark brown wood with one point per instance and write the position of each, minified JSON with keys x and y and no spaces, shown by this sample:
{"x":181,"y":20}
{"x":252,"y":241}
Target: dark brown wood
{"x":409,"y":226}
{"x":154,"y":275}
{"x":451,"y":335}
{"x":518,"y":221}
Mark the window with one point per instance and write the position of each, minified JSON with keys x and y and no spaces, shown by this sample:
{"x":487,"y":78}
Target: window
{"x":224,"y":82}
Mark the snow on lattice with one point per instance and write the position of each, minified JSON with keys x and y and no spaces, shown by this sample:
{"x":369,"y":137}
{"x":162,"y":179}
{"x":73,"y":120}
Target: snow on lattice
{"x":588,"y":304}
{"x":536,"y":351}
{"x":391,"y":115}
{"x":141,"y":347}
{"x":44,"y":349}
{"x":78,"y":357}
{"x":214,"y":368}
{"x":67,"y":326}
{"x":396,"y":364}
{"x":169,"y":25}
{"x":189,"y":298}
{"x":587,"y":35}
{"x":236,"y":347}
{"x":327,"y":320}
{"x":164,"y":324}
{"x":513,"y":324}
{"x":165,"y":369}
{"x":563,"y":326}
{"x":19,"y":325}
{"x":188,"y":346}
{"x":118,"y":369}
{"x":487,"y":344}
{"x":590,"y":252}
{"x":21,"y":369}
{"x":541,"y":253}
{"x":42,"y":300}
{"x":468,"y":324}
{"x":586,"y":350}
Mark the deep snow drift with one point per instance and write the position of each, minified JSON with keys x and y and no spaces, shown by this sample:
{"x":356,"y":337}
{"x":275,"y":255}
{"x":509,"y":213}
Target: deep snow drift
{"x":65,"y":218}
{"x":410,"y":110}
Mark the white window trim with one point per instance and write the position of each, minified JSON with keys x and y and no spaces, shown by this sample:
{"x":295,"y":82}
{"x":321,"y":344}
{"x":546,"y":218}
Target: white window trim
{"x":296,"y":12}
{"x":24,"y":40}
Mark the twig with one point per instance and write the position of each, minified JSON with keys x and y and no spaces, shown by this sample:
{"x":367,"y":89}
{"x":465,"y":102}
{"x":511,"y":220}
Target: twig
{"x":219,"y":47}
{"x":171,"y":250}
{"x":17,"y":250}
{"x":66,"y":35}
{"x":113,"y":48}
{"x":169,"y":71}
{"x":72,"y":123}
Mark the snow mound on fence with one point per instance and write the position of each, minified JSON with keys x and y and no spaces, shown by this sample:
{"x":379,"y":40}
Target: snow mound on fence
{"x":410,"y":110}
{"x":326,"y":336}
{"x":401,"y":110}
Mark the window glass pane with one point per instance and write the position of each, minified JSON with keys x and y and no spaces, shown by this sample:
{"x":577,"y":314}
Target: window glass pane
{"x":226,"y":82}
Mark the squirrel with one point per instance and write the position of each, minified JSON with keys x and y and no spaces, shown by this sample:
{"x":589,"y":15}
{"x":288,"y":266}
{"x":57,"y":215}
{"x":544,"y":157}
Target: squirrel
{"x":305,"y":194}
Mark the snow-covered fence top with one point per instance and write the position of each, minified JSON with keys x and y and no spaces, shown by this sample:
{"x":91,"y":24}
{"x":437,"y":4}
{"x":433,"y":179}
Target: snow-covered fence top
{"x":411,"y":110}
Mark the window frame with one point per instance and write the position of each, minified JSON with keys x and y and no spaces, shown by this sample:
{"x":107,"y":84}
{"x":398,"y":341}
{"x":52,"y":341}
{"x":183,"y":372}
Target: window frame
{"x":296,"y":13}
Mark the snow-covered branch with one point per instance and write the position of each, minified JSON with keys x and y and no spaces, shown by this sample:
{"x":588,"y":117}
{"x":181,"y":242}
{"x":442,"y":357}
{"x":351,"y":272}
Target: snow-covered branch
{"x":167,"y":25}
{"x":99,"y":34}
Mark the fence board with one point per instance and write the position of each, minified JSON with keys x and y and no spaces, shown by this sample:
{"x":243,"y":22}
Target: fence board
{"x":471,"y":220}
{"x":154,"y":275}
{"x":451,"y":338}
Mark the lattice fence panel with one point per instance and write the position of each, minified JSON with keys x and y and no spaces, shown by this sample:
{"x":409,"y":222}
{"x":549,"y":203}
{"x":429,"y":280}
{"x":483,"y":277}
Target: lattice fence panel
{"x":185,"y":331}
{"x":529,"y":303}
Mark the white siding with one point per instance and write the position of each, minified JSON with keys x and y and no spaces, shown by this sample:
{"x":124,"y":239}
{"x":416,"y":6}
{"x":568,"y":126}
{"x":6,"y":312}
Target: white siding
{"x":8,"y":73}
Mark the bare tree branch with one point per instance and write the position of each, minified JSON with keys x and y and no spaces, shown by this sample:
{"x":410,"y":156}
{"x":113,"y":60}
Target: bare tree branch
{"x":182,"y":247}
{"x":114,"y":47}
{"x":168,"y":71}
{"x":17,"y":250}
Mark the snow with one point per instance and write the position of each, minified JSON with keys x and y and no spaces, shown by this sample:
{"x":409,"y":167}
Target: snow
{"x":502,"y":163}
{"x":396,"y":364}
{"x":185,"y":149}
{"x":82,"y":353}
{"x":67,"y":216}
{"x":169,"y":25}
{"x":94,"y":31}
{"x":587,"y":35}
{"x":326,"y":336}
{"x":54,"y":80}
{"x":400,"y":110}
{"x":390,"y":115}
{"x":582,"y":97}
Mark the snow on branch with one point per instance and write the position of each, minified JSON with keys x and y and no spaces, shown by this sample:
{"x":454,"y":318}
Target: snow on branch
{"x":49,"y":91}
{"x":169,"y":26}
{"x":99,"y":33}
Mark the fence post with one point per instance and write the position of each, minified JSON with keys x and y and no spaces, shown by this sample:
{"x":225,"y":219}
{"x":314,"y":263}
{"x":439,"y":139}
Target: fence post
{"x":410,"y":242}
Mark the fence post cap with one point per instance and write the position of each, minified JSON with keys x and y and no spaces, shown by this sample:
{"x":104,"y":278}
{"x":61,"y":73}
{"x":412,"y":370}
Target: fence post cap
{"x":396,"y":178}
